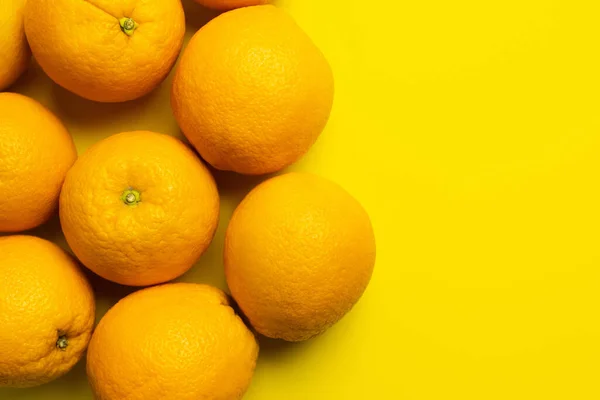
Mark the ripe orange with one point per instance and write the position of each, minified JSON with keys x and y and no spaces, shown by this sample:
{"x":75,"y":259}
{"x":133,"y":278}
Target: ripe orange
{"x":46,"y":311}
{"x":103,"y":50}
{"x":14,"y":51}
{"x":252,"y":92}
{"x":139,"y":208}
{"x":299,"y":252}
{"x":230,"y":4}
{"x":36,"y":152}
{"x":172,"y":342}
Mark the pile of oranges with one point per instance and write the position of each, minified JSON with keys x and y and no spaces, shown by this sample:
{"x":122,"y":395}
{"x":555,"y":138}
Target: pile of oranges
{"x":251,"y":93}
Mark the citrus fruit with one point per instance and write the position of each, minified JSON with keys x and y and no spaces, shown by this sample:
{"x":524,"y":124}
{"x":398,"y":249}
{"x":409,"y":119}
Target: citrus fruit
{"x":252,"y":92}
{"x":14,"y":51}
{"x":36,"y":151}
{"x":46,"y":311}
{"x":299,"y":253}
{"x":230,"y":4}
{"x":139,"y":208}
{"x":102,"y":50}
{"x":180,"y":341}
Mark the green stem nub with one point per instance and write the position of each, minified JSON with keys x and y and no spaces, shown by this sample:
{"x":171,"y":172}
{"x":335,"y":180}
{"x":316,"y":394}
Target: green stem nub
{"x":128,"y":25}
{"x":62,"y":343}
{"x":131,"y":197}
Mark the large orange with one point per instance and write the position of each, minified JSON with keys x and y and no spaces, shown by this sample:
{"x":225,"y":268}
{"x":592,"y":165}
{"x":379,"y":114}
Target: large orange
{"x":299,"y":252}
{"x":139,"y":208}
{"x":106,"y":50}
{"x":14,"y":51}
{"x":230,"y":4}
{"x":252,"y":92}
{"x":46,"y":311}
{"x":36,"y":152}
{"x":172,"y":342}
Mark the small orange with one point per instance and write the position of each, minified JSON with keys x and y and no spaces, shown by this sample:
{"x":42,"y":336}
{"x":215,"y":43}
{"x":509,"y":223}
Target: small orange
{"x":46,"y":311}
{"x":139,"y":208}
{"x":230,"y":4}
{"x":106,"y":50}
{"x":178,"y":341}
{"x":252,"y":92}
{"x":36,"y":151}
{"x":14,"y":50}
{"x":299,"y":253}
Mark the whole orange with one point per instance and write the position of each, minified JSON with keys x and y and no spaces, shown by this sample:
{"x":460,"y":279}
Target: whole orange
{"x":230,"y":4}
{"x":36,"y":151}
{"x":252,"y":92}
{"x":172,"y":342}
{"x":14,"y":51}
{"x":299,"y":253}
{"x":103,"y":50}
{"x":139,"y":208}
{"x":46,"y":311}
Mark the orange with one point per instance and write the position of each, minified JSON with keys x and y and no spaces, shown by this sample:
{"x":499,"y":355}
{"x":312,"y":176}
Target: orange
{"x":46,"y":311}
{"x":105,"y":50}
{"x":252,"y":92}
{"x":230,"y":4}
{"x":139,"y":208}
{"x":299,"y":253}
{"x":14,"y":51}
{"x":36,"y":151}
{"x":178,"y":341}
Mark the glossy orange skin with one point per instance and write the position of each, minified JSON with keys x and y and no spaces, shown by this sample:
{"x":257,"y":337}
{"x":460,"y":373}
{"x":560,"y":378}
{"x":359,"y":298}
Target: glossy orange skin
{"x":299,"y":253}
{"x":14,"y":50}
{"x":172,"y":342}
{"x":36,"y":151}
{"x":159,"y":238}
{"x":252,"y":92}
{"x":43,"y":296}
{"x":230,"y":4}
{"x":81,"y":46}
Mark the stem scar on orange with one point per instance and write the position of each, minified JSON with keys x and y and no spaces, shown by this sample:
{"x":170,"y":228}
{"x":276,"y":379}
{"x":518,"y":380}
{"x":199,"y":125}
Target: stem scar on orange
{"x":47,"y":311}
{"x":139,"y":208}
{"x":108,"y":51}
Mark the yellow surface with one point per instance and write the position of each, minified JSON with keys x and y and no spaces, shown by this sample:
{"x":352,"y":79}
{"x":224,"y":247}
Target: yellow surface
{"x":470,"y":131}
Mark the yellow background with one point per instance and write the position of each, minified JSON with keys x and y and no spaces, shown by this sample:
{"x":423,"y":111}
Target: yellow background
{"x":469,"y":130}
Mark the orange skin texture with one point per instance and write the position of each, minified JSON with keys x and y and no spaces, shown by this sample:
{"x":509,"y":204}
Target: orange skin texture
{"x":14,"y":50}
{"x":80,"y":44}
{"x":36,"y":151}
{"x":159,"y":238}
{"x":43,"y":295}
{"x":252,"y":92}
{"x":179,"y":341}
{"x":299,"y":253}
{"x":230,"y":4}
